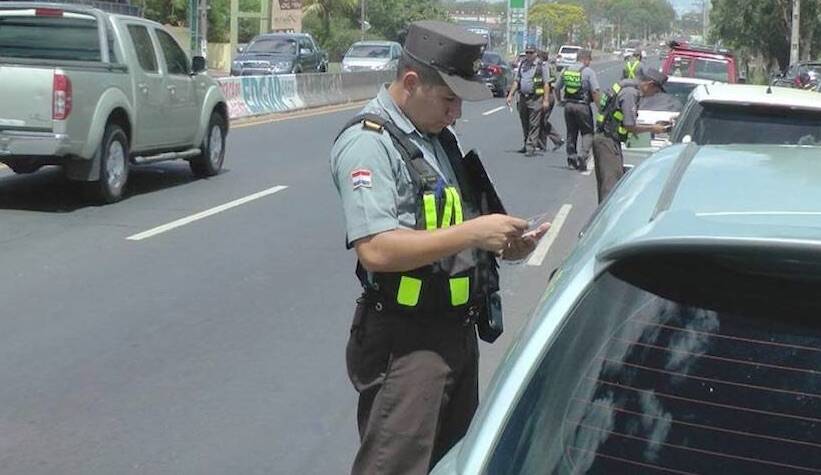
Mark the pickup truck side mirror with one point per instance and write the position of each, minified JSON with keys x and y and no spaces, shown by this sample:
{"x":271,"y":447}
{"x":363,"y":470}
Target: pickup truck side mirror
{"x":198,"y":64}
{"x":240,"y":49}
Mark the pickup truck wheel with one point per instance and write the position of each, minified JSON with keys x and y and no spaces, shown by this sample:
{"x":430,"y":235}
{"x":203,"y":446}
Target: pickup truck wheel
{"x":113,"y":157}
{"x":209,"y":163}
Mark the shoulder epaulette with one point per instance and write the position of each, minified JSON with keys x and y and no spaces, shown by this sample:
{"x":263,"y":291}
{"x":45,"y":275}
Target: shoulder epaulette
{"x":373,"y":126}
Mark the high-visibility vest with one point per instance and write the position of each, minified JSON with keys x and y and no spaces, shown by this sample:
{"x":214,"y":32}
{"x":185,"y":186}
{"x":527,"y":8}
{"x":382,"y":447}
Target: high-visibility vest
{"x":538,"y":78}
{"x":631,"y":68}
{"x":610,"y":119}
{"x":453,"y":283}
{"x":572,"y":84}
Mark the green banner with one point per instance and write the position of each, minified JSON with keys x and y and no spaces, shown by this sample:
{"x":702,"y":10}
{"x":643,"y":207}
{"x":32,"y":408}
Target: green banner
{"x":517,"y":3}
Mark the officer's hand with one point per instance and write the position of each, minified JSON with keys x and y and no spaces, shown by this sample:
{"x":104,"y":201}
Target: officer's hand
{"x":660,"y":128}
{"x":509,"y":100}
{"x":493,"y":232}
{"x":521,"y":247}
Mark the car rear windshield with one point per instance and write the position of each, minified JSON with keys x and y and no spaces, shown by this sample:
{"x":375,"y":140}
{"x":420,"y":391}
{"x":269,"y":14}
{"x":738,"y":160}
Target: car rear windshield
{"x":369,"y":51}
{"x":274,"y":46}
{"x":702,"y":68}
{"x":676,"y":365}
{"x":48,"y":34}
{"x":719,"y":124}
{"x":491,"y":58}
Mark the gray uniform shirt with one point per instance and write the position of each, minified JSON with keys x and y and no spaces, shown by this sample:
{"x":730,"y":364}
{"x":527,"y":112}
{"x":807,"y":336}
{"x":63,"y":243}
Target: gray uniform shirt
{"x":628,"y":99}
{"x":371,"y":178}
{"x":590,"y":82}
{"x":525,"y":73}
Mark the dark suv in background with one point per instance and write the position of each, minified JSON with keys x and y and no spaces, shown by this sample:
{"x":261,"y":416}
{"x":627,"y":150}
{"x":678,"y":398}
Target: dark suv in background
{"x":280,"y":53}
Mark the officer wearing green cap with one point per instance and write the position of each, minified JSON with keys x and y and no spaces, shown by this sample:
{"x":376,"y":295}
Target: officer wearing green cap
{"x":423,"y":250}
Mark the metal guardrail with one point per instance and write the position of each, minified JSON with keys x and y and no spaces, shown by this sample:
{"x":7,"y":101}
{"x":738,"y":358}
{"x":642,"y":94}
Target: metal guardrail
{"x":122,"y":7}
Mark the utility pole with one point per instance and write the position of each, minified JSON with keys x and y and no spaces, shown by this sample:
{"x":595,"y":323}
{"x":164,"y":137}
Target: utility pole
{"x":796,"y":25}
{"x":705,"y":18}
{"x":507,"y":31}
{"x":362,"y":19}
{"x":527,"y":29}
{"x":202,"y":29}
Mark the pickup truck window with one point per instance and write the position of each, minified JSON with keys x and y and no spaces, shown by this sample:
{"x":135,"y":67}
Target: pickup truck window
{"x":175,"y":57}
{"x":273,"y":45}
{"x":70,"y":36}
{"x":144,"y":48}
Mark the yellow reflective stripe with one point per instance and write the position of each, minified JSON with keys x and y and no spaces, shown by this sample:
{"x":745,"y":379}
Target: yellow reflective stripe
{"x":459,"y":290}
{"x":622,"y":130}
{"x":409,"y":290}
{"x":616,"y":88}
{"x":448,"y":211}
{"x":618,"y":115}
{"x":430,"y":211}
{"x":599,"y":118}
{"x":457,"y":207}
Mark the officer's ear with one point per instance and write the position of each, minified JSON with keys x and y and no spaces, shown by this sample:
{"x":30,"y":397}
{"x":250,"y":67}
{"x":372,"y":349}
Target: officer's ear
{"x":410,"y":81}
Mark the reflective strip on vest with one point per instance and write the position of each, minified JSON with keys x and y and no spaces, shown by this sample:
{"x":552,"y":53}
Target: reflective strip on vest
{"x":448,"y":211}
{"x":429,"y":200}
{"x":459,"y":290}
{"x":409,"y":290}
{"x":631,"y":69}
{"x":457,"y":207}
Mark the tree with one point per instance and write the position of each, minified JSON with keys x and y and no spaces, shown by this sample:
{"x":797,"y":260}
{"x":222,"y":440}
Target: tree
{"x":558,"y":20}
{"x":325,"y":9}
{"x":763,"y":28}
{"x":389,"y":19}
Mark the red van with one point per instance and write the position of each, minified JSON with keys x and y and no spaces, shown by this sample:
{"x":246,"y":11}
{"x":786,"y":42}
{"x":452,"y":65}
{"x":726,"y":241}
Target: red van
{"x":702,"y":62}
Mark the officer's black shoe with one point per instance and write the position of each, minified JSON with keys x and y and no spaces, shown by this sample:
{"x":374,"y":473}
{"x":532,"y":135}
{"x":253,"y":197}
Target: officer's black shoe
{"x":557,"y":146}
{"x":571,"y":161}
{"x":522,"y":150}
{"x":581,"y":164}
{"x":530,"y":152}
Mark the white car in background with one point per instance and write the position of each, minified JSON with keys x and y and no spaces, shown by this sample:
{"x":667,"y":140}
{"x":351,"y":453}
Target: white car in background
{"x":567,"y":56}
{"x":371,"y":56}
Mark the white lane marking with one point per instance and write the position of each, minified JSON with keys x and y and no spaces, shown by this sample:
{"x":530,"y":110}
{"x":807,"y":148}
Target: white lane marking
{"x":204,"y":214}
{"x":590,"y":167}
{"x":493,"y":111}
{"x":540,"y":253}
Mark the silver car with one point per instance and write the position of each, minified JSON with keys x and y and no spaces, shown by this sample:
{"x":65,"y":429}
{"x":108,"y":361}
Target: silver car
{"x":680,"y":336}
{"x":371,"y":56}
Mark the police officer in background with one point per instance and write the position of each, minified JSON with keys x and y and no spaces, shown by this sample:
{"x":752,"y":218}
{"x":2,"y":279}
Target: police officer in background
{"x":546,"y":129}
{"x":530,"y":82}
{"x":421,"y":243}
{"x":576,"y":88}
{"x":633,"y":67}
{"x":618,"y":110}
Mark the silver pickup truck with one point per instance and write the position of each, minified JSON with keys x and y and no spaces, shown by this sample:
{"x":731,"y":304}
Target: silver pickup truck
{"x":98,"y":94}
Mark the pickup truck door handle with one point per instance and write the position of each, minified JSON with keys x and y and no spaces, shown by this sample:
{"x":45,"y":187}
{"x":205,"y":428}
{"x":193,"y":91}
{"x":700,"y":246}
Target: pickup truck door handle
{"x":143,"y":87}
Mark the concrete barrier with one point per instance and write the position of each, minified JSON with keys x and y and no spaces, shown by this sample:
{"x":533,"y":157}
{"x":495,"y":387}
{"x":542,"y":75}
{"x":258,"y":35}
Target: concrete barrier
{"x":258,"y":95}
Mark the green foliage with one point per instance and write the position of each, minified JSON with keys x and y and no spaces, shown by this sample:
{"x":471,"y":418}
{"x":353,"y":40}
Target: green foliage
{"x":390,"y":18}
{"x":763,"y":28}
{"x":558,"y":20}
{"x":342,"y":34}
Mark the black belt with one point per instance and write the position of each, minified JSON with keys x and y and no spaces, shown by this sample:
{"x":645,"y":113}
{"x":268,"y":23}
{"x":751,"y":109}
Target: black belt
{"x":468,"y":314}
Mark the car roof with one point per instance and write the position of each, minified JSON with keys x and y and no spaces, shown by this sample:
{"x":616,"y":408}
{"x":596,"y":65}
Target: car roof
{"x":686,"y":80}
{"x":750,"y":94}
{"x":719,"y":198}
{"x":375,"y":43}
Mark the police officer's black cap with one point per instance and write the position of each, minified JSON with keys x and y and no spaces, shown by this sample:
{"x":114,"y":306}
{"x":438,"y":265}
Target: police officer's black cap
{"x":655,"y":76}
{"x":453,"y":52}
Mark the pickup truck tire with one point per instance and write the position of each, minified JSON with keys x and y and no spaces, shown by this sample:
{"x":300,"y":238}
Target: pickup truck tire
{"x":209,"y":163}
{"x":113,"y":155}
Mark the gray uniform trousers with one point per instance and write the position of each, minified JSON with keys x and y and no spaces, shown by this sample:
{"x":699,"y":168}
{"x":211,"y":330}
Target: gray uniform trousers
{"x":609,"y":163}
{"x":530,"y":114}
{"x":547,"y":131}
{"x":418,"y":383}
{"x":579,"y":120}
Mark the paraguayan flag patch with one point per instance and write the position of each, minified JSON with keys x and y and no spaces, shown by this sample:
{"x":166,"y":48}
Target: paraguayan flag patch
{"x":361,"y":178}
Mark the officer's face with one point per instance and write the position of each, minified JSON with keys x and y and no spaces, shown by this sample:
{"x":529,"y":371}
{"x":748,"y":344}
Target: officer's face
{"x":432,"y":108}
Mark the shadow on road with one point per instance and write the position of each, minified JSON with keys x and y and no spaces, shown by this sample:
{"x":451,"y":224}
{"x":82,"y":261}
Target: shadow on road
{"x":47,"y":190}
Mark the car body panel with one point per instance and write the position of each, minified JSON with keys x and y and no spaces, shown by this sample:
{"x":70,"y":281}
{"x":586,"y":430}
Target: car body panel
{"x":684,"y":197}
{"x":700,"y":62}
{"x":352,"y":63}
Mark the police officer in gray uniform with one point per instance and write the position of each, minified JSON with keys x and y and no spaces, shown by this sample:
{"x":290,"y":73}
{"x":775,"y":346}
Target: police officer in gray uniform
{"x":531,"y":81}
{"x":617,"y":116}
{"x":576,"y":88}
{"x":421,"y":244}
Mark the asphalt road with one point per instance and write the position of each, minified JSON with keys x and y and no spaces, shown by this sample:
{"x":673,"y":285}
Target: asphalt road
{"x":217,"y":346}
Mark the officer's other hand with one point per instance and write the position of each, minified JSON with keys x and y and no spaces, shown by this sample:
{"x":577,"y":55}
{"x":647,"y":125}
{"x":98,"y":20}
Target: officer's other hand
{"x":493,"y":232}
{"x":509,"y":100}
{"x":661,"y":127}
